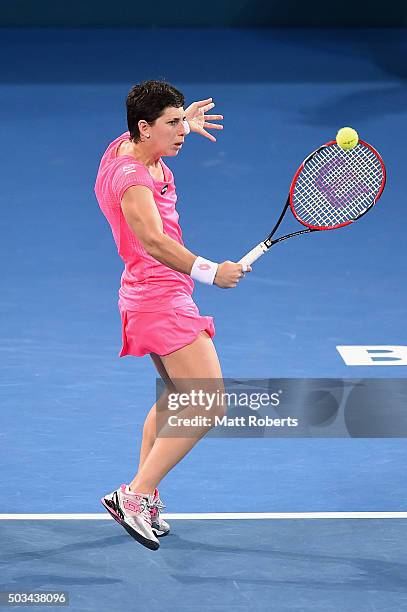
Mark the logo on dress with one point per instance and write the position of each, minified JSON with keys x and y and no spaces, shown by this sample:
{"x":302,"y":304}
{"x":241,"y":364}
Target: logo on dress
{"x":164,"y":189}
{"x":130,"y":169}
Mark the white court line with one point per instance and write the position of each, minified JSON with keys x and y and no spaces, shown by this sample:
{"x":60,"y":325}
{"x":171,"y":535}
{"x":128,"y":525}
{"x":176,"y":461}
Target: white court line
{"x":213,"y":516}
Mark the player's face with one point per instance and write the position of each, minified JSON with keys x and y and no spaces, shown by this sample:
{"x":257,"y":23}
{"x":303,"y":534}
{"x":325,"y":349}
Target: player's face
{"x":168,"y":132}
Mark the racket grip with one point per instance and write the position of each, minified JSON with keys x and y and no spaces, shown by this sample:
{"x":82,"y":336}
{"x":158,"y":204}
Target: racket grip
{"x":254,"y":254}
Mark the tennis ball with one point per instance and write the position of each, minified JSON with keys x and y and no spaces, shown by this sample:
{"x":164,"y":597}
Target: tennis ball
{"x":347,"y":138}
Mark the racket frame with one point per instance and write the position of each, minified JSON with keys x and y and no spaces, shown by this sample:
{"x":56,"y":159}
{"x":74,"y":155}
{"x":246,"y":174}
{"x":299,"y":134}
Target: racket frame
{"x":266,"y":244}
{"x":331,"y":227}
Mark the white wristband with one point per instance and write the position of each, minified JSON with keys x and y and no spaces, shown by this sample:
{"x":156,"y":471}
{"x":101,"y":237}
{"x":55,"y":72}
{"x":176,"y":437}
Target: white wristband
{"x":204,"y":270}
{"x":187,"y":129}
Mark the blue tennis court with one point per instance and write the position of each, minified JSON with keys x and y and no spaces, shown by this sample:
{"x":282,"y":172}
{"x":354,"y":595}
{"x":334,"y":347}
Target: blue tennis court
{"x":72,"y":411}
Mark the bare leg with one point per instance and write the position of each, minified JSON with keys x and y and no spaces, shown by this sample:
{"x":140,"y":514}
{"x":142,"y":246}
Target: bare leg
{"x":148,"y":439}
{"x":150,"y":427}
{"x":195,"y":361}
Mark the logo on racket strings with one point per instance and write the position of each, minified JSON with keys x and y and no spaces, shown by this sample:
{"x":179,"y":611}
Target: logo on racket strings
{"x":332,"y":181}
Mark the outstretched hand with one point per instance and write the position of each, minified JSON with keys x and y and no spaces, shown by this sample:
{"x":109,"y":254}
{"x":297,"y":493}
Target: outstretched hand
{"x":198,"y":120}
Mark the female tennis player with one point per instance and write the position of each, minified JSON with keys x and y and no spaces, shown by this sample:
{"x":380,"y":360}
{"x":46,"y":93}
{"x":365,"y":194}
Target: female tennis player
{"x":136,"y":192}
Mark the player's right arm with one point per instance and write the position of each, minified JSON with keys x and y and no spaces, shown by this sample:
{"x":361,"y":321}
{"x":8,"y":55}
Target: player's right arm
{"x":143,"y":218}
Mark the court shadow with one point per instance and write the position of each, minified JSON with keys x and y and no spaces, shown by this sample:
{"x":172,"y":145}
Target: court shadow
{"x":265,"y":565}
{"x":101,"y":543}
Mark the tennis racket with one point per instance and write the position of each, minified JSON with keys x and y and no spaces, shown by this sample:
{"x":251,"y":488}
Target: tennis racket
{"x":331,"y":189}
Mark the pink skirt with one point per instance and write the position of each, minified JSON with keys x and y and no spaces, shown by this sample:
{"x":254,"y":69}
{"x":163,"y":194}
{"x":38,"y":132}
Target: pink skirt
{"x":162,"y":332}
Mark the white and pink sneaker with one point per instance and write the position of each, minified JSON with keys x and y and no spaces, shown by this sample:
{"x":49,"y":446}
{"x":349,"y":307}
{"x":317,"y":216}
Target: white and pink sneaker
{"x":132,"y":511}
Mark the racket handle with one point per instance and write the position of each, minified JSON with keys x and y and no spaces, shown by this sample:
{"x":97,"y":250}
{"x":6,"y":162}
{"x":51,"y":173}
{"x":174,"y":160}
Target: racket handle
{"x":254,"y":254}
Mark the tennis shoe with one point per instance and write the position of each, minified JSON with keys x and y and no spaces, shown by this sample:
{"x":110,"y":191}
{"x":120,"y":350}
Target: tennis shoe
{"x":132,"y":511}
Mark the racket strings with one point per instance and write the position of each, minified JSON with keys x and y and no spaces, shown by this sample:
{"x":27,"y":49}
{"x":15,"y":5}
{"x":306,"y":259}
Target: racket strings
{"x":337,"y":186}
{"x":343,"y":186}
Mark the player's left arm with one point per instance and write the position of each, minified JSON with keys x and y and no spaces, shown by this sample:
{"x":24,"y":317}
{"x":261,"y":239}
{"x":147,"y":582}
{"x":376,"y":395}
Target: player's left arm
{"x":199,"y":121}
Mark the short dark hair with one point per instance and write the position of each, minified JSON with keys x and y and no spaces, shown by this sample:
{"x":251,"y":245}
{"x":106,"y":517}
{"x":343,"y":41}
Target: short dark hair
{"x":147,"y":101}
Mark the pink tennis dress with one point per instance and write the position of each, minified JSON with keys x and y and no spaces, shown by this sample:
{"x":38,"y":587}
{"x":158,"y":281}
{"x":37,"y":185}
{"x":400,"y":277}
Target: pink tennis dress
{"x":155,"y":302}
